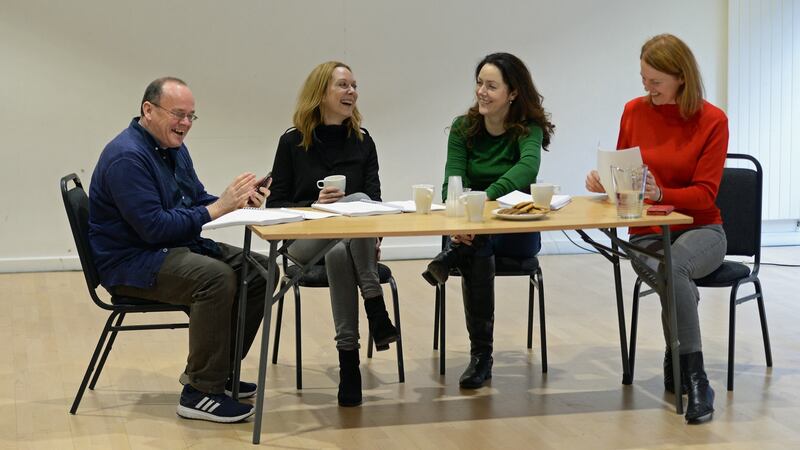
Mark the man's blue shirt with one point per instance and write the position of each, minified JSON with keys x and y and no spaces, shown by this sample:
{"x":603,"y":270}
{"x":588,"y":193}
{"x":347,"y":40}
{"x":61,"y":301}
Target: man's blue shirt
{"x":139,"y":207}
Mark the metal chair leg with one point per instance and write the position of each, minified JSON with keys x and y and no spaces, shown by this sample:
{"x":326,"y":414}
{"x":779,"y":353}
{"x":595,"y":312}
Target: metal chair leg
{"x":634,"y":324}
{"x":762,"y":314}
{"x":542,"y":326}
{"x":401,"y":373}
{"x":531,"y":284}
{"x":107,"y":350}
{"x":442,"y":322}
{"x":436,"y":319}
{"x":731,"y":335}
{"x":92,"y":361}
{"x":278,"y":322}
{"x":298,"y":348}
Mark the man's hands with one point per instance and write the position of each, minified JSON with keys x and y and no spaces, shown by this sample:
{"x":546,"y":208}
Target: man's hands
{"x":237,"y":195}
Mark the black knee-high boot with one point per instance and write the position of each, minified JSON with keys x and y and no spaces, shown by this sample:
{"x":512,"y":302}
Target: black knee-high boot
{"x":349,"y":378}
{"x":453,"y":256}
{"x":383,"y":332}
{"x":700,"y":404}
{"x":478,"y":293}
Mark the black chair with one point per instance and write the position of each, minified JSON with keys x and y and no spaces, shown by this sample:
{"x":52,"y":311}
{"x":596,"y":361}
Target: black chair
{"x":77,"y":205}
{"x":504,"y":267}
{"x":739,"y":200}
{"x":317,"y":277}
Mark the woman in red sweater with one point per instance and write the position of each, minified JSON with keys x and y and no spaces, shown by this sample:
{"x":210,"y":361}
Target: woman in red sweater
{"x":684,"y":141}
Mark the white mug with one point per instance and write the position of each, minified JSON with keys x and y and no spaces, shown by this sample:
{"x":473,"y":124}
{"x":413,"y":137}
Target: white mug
{"x":423,"y":197}
{"x":337,"y":181}
{"x":474,"y":202}
{"x":542,"y":194}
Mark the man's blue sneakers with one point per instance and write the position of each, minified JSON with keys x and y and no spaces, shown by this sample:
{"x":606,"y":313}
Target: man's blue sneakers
{"x":246,"y":390}
{"x":212,"y":407}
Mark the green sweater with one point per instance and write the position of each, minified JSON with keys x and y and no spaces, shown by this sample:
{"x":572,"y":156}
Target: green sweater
{"x":495,"y":164}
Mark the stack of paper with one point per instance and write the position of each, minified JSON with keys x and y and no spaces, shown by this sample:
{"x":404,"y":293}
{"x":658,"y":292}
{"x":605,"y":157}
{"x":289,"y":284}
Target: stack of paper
{"x":515,"y":197}
{"x":410,"y":206}
{"x":253,"y":216}
{"x":359,"y":208}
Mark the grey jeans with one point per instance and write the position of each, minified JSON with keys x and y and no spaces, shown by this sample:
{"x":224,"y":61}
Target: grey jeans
{"x":350,"y":265}
{"x":695,"y":253}
{"x":209,"y":286}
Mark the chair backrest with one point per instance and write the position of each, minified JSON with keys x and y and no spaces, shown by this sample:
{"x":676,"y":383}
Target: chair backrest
{"x":76,"y":202}
{"x":739,"y":200}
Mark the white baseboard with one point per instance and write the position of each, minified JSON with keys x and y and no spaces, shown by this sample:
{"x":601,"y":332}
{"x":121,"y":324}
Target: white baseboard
{"x":40,"y":264}
{"x":553,"y":243}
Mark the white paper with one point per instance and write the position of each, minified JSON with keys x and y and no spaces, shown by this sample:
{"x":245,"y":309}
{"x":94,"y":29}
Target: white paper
{"x":410,"y":206}
{"x":359,"y":208}
{"x":629,"y":157}
{"x":311,"y":215}
{"x":253,"y":216}
{"x":512,"y":198}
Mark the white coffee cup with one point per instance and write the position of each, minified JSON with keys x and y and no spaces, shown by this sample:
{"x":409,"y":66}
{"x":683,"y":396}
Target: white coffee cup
{"x":474,"y":202}
{"x":423,"y":197}
{"x":337,"y":181}
{"x":542,"y":194}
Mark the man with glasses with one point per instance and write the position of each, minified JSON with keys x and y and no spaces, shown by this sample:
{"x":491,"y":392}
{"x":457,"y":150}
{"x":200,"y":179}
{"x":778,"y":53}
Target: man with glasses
{"x":146,"y":210}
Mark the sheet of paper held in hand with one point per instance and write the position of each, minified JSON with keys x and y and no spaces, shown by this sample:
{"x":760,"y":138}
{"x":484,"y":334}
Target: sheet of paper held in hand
{"x":628,"y":157}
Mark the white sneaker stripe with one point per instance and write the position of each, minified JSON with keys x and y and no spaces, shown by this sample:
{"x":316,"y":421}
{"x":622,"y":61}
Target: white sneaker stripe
{"x":216,"y":405}
{"x":199,"y":405}
{"x":209,"y":405}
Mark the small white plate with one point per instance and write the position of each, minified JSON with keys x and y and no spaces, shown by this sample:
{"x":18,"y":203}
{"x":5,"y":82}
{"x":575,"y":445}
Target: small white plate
{"x":535,"y":216}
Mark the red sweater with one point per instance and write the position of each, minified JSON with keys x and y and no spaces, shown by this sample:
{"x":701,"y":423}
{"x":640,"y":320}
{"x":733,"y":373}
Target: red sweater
{"x":686,"y":157}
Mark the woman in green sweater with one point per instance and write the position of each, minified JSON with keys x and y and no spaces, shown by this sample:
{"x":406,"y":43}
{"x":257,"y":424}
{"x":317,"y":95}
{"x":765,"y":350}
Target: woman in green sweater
{"x":495,"y":147}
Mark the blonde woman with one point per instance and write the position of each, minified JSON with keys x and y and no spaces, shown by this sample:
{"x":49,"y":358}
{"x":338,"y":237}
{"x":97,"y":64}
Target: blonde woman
{"x":327,"y":139}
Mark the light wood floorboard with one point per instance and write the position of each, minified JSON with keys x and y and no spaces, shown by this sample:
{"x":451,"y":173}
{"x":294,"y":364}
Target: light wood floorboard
{"x":50,"y":328}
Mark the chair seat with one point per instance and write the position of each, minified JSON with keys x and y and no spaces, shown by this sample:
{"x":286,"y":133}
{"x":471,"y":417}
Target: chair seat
{"x":505,"y":266}
{"x":726,"y":275}
{"x":121,"y":300}
{"x":317,"y":277}
{"x":510,"y":267}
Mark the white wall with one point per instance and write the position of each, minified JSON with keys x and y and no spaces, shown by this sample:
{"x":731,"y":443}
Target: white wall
{"x":74,"y":72}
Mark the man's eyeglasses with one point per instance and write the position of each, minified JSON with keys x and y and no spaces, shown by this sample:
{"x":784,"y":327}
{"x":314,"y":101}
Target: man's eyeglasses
{"x":177,"y":115}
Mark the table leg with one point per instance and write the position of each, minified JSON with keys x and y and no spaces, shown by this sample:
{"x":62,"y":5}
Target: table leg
{"x":626,"y":371}
{"x":669,"y":291}
{"x":272,"y":272}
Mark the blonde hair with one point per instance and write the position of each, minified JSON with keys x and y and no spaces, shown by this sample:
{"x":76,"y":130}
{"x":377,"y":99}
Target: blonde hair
{"x":307,"y":114}
{"x":666,"y":53}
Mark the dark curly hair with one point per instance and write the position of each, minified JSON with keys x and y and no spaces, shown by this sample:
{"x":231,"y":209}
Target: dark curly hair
{"x":525,"y":109}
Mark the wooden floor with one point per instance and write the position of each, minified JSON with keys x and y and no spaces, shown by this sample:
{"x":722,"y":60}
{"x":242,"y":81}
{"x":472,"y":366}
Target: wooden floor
{"x":50,"y":328}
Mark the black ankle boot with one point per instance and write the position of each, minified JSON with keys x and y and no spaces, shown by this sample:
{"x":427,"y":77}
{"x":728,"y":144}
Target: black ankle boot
{"x":669,"y":385}
{"x":349,"y":378}
{"x":439,"y":268}
{"x":383,"y":332}
{"x":700,"y":404}
{"x":477,"y":372}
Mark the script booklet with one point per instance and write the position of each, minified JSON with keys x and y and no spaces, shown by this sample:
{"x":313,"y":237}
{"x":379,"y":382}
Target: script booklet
{"x":253,"y":216}
{"x":512,"y":198}
{"x":629,"y":157}
{"x":358,"y":208}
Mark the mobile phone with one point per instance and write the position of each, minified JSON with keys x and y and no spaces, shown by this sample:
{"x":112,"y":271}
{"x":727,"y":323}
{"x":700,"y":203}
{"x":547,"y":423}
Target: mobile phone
{"x":264,"y":182}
